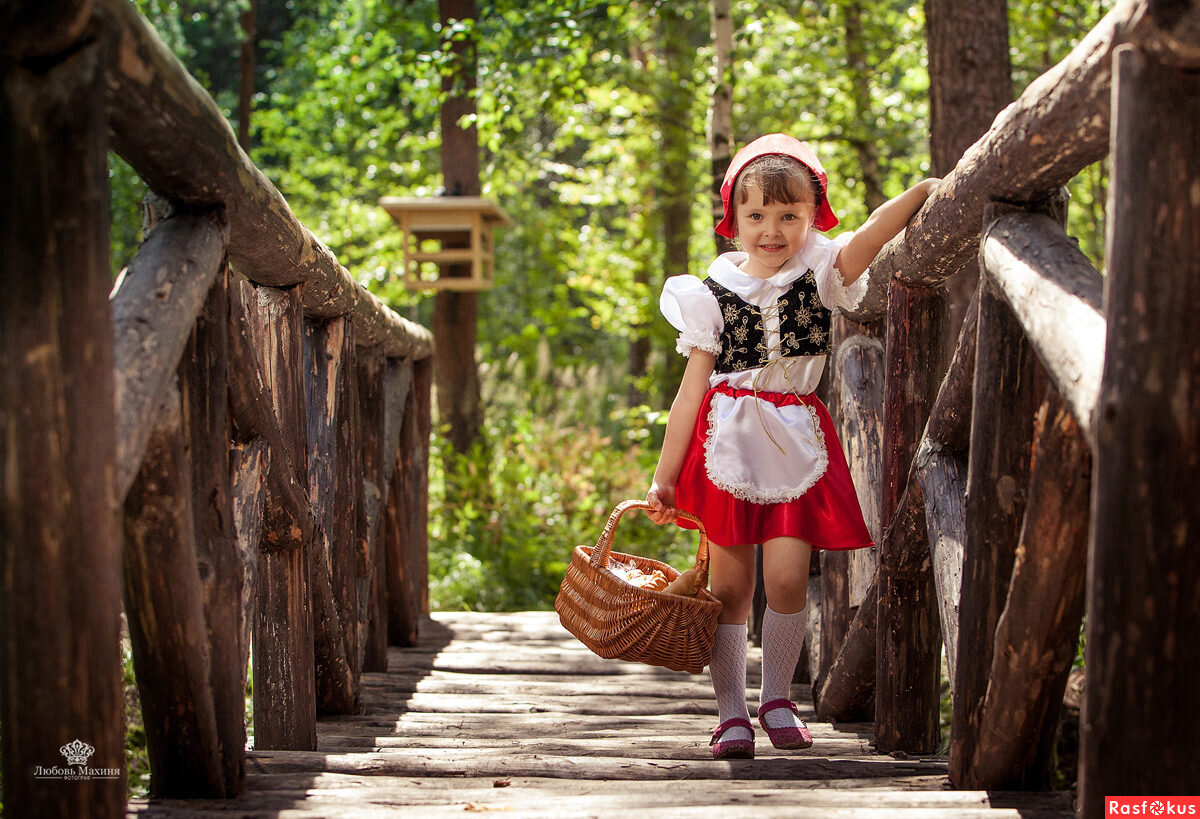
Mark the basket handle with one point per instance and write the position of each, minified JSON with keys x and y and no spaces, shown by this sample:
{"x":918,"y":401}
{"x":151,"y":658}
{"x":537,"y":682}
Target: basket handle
{"x":600,"y":554}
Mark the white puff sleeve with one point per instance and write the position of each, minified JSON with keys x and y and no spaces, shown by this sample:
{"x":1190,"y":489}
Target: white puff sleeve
{"x":692,"y":309}
{"x":821,"y":257}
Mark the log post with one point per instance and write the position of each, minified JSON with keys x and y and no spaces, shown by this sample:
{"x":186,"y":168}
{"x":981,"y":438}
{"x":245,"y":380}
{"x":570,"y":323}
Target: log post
{"x":941,"y":468}
{"x":249,"y":464}
{"x":856,"y":405}
{"x":371,"y":367}
{"x":60,"y":584}
{"x":1038,"y":631}
{"x":203,"y":378}
{"x":1143,"y":658}
{"x":859,"y":369}
{"x":1007,"y":391}
{"x":285,"y":709}
{"x":908,"y":656}
{"x":164,"y":600}
{"x":422,"y":391}
{"x":332,"y":436}
{"x":403,"y":603}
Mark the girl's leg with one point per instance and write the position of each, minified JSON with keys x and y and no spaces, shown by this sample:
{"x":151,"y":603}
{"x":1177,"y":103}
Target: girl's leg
{"x":785,"y":573}
{"x":731,"y":573}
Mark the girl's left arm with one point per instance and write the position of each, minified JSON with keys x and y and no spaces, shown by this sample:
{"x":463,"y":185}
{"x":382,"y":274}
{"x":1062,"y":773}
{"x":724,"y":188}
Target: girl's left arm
{"x":887,"y":220}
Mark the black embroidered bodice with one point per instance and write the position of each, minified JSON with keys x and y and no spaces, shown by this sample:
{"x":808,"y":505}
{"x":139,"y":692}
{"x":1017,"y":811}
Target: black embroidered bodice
{"x":803,"y":326}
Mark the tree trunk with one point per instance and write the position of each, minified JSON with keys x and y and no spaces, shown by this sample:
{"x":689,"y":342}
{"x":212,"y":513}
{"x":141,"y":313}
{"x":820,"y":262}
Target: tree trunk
{"x":460,"y":408}
{"x":866,"y":145}
{"x":246,"y":79}
{"x":1058,"y":126}
{"x":60,"y":560}
{"x":970,"y":81}
{"x":1143,"y":658}
{"x":676,"y":188}
{"x":720,"y":137}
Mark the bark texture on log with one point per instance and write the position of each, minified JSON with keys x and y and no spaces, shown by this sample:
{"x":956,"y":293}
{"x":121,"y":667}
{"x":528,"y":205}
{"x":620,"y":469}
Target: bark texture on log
{"x":168,"y":630}
{"x":401,"y":534}
{"x":60,"y":562}
{"x":155,"y":302}
{"x":1143,"y":658}
{"x":941,"y":468}
{"x":1008,"y":390}
{"x":1039,"y":629}
{"x":908,"y":637}
{"x":1058,"y":297}
{"x":847,"y":691}
{"x":859,"y":368}
{"x":203,"y":379}
{"x":907,"y":699}
{"x":248,"y":464}
{"x":172,"y":132}
{"x":372,"y":390}
{"x":284,"y":683}
{"x":333,"y":438}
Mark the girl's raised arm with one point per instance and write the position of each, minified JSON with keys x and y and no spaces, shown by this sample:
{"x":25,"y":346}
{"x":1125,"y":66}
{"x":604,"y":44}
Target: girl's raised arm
{"x":887,"y":220}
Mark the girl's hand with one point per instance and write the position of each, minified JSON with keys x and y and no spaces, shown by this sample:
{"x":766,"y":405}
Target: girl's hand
{"x":662,"y":504}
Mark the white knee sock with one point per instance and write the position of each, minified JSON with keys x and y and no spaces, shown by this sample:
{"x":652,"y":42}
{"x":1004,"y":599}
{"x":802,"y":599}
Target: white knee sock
{"x":782,"y":641}
{"x":728,"y":671}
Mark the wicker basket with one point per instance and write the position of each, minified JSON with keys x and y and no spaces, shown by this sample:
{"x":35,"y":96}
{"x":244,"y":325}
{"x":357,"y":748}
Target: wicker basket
{"x":619,"y":620}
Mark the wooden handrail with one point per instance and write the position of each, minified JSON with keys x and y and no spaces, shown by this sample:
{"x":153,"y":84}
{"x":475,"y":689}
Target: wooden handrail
{"x":168,"y":128}
{"x":1021,"y":158}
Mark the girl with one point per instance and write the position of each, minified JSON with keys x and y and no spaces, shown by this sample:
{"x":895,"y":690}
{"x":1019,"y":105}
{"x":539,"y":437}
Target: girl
{"x":749,"y":449}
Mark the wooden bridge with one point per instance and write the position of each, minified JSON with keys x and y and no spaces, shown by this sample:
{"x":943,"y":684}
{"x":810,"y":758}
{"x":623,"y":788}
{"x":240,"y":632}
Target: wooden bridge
{"x":235,"y":441}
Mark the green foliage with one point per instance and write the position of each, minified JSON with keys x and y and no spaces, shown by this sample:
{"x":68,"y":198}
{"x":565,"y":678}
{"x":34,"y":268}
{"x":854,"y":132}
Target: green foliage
{"x":505,"y":516}
{"x":137,"y":759}
{"x":574,"y":102}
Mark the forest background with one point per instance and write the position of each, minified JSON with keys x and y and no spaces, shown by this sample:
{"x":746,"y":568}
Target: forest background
{"x":593,"y":125}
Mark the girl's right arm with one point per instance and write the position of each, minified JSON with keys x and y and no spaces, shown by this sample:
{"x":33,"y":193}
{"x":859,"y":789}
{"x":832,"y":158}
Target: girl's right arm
{"x":680,"y":423}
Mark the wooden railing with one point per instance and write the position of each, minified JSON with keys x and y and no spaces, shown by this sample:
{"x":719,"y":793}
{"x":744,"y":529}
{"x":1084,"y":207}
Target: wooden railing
{"x":1058,"y":444}
{"x":236,"y":436}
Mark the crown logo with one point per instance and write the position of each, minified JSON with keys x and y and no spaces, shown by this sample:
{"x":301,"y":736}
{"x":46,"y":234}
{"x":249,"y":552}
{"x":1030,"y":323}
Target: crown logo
{"x":77,"y":753}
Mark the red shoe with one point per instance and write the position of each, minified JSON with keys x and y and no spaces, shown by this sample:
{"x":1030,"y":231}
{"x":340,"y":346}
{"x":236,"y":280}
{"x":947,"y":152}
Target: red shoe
{"x":788,"y":737}
{"x":733,"y":748}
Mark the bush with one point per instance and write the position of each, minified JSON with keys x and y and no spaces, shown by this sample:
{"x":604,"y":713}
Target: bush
{"x":505,"y":516}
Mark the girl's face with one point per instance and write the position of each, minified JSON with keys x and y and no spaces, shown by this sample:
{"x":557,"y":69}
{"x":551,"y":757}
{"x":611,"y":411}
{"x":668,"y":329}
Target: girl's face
{"x":772,"y":233}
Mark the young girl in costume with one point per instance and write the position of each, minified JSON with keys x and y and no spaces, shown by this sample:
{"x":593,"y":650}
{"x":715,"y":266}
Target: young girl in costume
{"x":749,"y":449}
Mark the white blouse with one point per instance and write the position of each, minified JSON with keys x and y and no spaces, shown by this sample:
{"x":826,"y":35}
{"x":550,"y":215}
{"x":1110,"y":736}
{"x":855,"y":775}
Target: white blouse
{"x":756,"y":450}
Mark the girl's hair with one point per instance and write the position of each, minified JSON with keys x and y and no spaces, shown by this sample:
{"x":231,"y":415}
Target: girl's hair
{"x":780,"y":178}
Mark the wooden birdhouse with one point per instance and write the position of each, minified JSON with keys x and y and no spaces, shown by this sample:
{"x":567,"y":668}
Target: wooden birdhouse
{"x":443,"y":230}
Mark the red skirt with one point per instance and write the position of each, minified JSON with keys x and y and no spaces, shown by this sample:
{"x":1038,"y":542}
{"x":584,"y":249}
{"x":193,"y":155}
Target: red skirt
{"x":827,"y":515}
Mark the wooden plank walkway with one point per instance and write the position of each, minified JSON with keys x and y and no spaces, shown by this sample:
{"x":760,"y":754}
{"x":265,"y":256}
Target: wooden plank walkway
{"x":507,"y":712}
